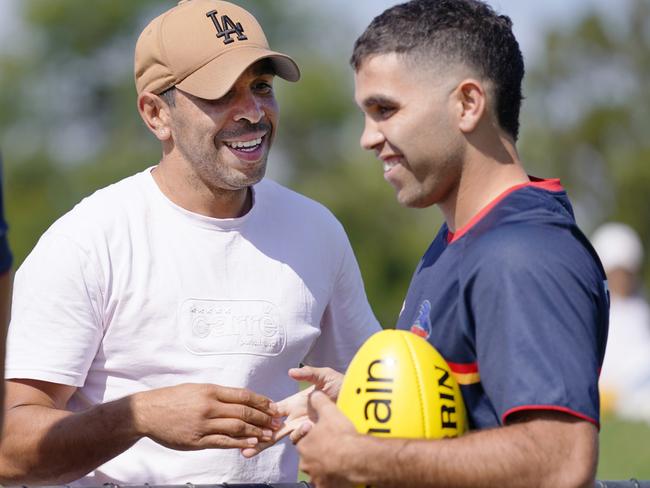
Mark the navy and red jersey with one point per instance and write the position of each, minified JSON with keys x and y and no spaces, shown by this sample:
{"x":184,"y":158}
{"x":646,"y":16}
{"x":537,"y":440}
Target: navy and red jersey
{"x":517,"y":303}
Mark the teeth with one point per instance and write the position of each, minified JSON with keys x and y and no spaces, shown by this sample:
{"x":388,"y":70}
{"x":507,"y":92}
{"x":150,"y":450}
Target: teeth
{"x":243,"y":145}
{"x":388,"y":166}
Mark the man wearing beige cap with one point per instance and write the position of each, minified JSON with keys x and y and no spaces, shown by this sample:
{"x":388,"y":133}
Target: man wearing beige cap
{"x":154,"y":324}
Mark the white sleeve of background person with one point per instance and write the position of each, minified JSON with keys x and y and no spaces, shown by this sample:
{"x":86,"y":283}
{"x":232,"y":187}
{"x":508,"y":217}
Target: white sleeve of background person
{"x":56,"y":326}
{"x":348,"y":319}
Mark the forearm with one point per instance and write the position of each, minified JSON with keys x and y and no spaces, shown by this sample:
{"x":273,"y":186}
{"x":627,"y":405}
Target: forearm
{"x":46,"y":445}
{"x":505,"y":457}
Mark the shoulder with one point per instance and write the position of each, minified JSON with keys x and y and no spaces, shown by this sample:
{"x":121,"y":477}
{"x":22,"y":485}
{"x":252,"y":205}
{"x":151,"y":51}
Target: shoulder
{"x":106,"y":212}
{"x":532,"y":248}
{"x":109,"y":203}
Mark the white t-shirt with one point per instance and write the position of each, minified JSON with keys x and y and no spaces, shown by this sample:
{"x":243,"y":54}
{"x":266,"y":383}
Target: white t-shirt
{"x":129,"y":292}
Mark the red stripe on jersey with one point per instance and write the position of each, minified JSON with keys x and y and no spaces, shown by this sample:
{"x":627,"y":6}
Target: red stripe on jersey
{"x":549,"y":407}
{"x":463,"y":368}
{"x":553,"y":185}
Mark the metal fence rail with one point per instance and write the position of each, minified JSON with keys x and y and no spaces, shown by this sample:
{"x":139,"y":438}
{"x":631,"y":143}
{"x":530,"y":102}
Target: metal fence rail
{"x":632,"y":483}
{"x":301,"y":484}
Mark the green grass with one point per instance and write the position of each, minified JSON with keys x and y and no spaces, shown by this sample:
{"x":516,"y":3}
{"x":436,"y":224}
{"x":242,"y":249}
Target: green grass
{"x":624,"y":450}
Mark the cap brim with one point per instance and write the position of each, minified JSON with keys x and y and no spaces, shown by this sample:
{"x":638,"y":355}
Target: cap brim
{"x":213,"y":80}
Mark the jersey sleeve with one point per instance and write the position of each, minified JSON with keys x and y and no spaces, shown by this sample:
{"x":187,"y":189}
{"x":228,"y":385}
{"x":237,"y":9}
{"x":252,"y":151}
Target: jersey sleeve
{"x":6,"y":258}
{"x":537,"y":302}
{"x":55,"y":327}
{"x":348,"y":319}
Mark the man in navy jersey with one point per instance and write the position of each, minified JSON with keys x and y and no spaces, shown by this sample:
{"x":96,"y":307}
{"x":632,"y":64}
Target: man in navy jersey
{"x":510,"y":291}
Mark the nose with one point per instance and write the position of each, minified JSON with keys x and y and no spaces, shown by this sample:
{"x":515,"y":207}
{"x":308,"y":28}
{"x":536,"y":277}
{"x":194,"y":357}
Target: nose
{"x":372,"y":137}
{"x":249,"y":107}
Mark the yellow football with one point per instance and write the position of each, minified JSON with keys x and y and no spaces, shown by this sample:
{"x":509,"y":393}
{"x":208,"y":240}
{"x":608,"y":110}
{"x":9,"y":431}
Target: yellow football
{"x":398,"y":385}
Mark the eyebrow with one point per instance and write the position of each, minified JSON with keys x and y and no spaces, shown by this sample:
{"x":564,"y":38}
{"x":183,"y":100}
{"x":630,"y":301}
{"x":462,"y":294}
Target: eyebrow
{"x":378,"y":100}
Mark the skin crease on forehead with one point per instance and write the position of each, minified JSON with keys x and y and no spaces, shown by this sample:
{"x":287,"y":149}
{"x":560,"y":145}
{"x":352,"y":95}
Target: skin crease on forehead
{"x":410,"y":124}
{"x":201,"y":170}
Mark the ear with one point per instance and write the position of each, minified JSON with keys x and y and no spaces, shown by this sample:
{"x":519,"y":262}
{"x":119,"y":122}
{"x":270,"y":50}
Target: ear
{"x":156,"y":115}
{"x":472,"y":103}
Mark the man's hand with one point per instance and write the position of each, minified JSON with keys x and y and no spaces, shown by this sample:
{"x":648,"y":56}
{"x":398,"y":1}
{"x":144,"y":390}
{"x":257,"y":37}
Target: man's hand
{"x":321,"y":456}
{"x":295,"y":407}
{"x":537,"y":448}
{"x":44,"y":443}
{"x":200,"y":416}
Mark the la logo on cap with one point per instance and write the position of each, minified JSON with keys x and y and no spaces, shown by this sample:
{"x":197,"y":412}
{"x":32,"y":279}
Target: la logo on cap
{"x":227,"y":27}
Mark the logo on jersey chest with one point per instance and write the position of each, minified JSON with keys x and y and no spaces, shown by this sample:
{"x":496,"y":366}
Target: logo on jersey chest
{"x":226,"y":27}
{"x":422,"y":324}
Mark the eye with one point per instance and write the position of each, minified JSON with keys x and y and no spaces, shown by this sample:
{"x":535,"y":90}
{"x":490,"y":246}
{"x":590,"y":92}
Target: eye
{"x":263,"y":87}
{"x":381,"y":112}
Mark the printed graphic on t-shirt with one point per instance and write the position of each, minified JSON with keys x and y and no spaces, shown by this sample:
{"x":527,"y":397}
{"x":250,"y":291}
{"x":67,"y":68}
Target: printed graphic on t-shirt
{"x":231,"y":327}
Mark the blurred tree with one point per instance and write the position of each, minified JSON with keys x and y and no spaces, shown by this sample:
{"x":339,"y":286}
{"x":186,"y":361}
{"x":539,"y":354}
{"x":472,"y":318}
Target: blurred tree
{"x":67,"y":112}
{"x":588,"y":116}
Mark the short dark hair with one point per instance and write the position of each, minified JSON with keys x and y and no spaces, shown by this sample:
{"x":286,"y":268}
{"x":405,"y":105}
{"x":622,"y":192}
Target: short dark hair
{"x":462,"y":31}
{"x":169,"y":96}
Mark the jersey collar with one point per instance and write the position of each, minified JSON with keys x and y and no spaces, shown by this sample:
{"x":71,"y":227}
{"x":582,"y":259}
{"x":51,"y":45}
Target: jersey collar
{"x":551,"y":185}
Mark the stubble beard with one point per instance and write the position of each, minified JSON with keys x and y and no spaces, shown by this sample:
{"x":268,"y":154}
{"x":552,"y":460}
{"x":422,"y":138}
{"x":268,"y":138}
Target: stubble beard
{"x":209,"y":170}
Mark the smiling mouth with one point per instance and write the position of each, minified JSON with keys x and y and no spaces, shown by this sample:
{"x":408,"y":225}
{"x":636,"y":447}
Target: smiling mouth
{"x":388,"y":166}
{"x":390,"y":163}
{"x":245,"y":146}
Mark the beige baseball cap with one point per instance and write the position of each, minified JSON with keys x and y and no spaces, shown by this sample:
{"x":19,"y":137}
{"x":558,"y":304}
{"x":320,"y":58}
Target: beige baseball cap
{"x":202,"y":47}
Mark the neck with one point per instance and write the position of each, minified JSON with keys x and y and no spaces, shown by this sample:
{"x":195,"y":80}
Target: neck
{"x":192,"y":194}
{"x":485,"y":175}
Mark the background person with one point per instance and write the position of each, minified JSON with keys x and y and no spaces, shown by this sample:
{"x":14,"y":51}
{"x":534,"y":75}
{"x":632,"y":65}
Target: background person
{"x":625,"y":377}
{"x":161,"y":314}
{"x":510,"y":291}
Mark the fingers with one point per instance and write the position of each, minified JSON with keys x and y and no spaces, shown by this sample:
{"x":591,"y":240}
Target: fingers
{"x":249,"y":452}
{"x":244,"y":413}
{"x":243,"y":396}
{"x":218,"y":441}
{"x":302,"y":374}
{"x":300,"y":432}
{"x":237,"y":429}
{"x":294,"y":405}
{"x":313,"y":375}
{"x":320,"y":404}
{"x":326,"y":379}
{"x":296,"y":429}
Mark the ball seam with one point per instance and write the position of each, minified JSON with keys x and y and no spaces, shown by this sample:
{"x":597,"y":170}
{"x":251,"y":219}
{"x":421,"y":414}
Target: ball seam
{"x":415,"y":367}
